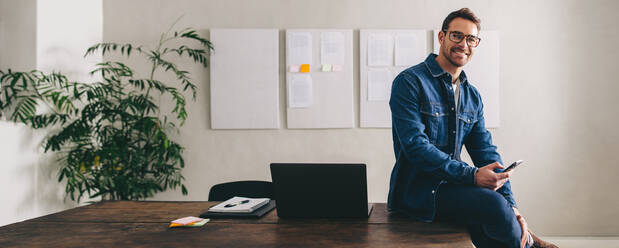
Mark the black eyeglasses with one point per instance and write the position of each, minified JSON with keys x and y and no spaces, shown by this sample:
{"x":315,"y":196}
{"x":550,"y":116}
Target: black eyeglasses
{"x":457,"y":37}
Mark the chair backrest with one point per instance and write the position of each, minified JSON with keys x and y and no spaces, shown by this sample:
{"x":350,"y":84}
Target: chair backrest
{"x":254,"y":189}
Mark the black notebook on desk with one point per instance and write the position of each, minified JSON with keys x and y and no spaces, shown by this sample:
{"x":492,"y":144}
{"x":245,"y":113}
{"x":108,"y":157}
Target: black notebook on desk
{"x":255,"y":214}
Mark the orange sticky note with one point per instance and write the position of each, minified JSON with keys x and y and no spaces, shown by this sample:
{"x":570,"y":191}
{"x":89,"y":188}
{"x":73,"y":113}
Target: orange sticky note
{"x":175,"y":224}
{"x":305,"y":68}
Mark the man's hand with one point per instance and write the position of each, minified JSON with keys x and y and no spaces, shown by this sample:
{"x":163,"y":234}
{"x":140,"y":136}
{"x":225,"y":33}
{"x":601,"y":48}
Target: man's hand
{"x":487,"y":178}
{"x":525,"y":229}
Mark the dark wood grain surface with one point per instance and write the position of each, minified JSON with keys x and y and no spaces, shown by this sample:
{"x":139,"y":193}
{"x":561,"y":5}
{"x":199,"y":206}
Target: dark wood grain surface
{"x":145,"y":224}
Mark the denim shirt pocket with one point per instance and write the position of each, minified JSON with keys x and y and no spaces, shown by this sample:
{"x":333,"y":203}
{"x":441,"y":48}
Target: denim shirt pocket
{"x":466,"y":121}
{"x":435,"y":117}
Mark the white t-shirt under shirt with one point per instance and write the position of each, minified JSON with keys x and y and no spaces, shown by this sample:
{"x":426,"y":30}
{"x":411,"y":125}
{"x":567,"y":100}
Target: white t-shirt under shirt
{"x":456,"y":88}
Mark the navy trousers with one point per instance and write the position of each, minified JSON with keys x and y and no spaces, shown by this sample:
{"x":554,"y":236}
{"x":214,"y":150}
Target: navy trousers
{"x":489,"y":218}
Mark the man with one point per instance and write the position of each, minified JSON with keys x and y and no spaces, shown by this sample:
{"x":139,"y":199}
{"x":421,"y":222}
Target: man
{"x":435,"y":111}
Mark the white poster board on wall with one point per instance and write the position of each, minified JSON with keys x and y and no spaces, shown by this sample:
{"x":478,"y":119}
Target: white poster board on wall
{"x":245,"y":79}
{"x":322,"y":97}
{"x":383,"y":54}
{"x":483,"y":73}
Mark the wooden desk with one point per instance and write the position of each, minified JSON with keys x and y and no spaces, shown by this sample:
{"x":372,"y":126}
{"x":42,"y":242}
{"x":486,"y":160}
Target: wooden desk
{"x":145,"y":224}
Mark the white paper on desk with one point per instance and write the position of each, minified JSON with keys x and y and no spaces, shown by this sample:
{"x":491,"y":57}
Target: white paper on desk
{"x":300,"y":91}
{"x":299,"y":48}
{"x":407,"y":50}
{"x":379,"y":84}
{"x":380,"y":50}
{"x":332,"y":48}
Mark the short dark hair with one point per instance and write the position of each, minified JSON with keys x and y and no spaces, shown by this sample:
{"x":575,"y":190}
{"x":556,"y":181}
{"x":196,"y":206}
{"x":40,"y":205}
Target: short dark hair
{"x":465,"y":13}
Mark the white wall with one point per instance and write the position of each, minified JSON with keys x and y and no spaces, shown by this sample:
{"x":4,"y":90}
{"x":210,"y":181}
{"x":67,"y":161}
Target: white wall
{"x":65,"y":30}
{"x":557,"y":104}
{"x":559,"y":112}
{"x":45,"y":35}
{"x":17,"y":152}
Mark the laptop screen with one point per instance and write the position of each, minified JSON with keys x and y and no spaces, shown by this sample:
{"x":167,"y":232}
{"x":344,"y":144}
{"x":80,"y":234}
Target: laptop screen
{"x":311,"y":190}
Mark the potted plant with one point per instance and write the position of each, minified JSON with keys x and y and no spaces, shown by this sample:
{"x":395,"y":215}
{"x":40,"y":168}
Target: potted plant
{"x":110,"y":136}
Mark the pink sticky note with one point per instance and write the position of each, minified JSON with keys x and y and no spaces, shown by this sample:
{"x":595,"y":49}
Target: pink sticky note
{"x":293,"y":68}
{"x":337,"y":67}
{"x":187,"y":220}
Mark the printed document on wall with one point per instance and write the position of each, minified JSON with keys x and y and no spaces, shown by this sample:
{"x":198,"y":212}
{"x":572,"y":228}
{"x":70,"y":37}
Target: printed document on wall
{"x":299,"y":48}
{"x":379,"y":84}
{"x":300,"y":91}
{"x":409,"y":49}
{"x":332,"y":48}
{"x":380,"y":50}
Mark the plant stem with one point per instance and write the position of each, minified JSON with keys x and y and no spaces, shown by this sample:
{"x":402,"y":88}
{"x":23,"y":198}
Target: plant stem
{"x":152,"y":71}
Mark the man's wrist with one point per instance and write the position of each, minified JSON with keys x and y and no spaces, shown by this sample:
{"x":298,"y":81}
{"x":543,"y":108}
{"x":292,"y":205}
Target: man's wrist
{"x":516,"y":211}
{"x":475,"y":175}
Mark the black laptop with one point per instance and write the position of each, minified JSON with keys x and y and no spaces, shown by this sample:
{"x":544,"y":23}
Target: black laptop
{"x":320,"y":190}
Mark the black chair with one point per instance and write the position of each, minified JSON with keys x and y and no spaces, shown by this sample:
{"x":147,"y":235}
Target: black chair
{"x":253,"y":189}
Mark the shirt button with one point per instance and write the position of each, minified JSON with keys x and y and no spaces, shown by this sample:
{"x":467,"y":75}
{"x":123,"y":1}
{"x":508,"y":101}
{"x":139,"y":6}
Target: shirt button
{"x":452,"y":109}
{"x":432,"y":191}
{"x":436,"y":113}
{"x":453,"y":132}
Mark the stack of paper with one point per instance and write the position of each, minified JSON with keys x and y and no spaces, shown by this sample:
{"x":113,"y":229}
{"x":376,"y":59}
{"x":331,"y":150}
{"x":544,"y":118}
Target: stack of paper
{"x":239,"y":205}
{"x":189,"y":221}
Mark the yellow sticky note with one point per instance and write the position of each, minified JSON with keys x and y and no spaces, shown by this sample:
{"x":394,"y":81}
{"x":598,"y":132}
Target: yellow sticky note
{"x":199,"y":223}
{"x":305,"y":68}
{"x":326,"y":67}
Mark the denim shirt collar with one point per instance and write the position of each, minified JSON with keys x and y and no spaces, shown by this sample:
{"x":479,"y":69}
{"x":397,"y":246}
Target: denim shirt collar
{"x":436,"y":70}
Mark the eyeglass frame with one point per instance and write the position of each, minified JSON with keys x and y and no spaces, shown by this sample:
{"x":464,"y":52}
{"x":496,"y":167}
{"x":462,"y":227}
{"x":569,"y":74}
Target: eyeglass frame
{"x":465,"y":36}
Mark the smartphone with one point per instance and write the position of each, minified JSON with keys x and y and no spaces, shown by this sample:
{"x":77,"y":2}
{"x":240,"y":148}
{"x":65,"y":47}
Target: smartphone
{"x":513,"y":166}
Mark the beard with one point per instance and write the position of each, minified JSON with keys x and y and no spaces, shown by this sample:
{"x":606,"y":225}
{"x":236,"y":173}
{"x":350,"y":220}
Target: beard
{"x":456,"y":62}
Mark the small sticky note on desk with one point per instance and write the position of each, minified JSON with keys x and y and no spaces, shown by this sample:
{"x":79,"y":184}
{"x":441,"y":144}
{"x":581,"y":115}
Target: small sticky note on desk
{"x":305,"y":68}
{"x":326,"y":68}
{"x":195,"y":224}
{"x":189,"y":221}
{"x":337,"y":67}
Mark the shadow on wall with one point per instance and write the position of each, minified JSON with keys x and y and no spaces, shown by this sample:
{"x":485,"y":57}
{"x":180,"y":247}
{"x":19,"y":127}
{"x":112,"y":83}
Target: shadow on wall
{"x":45,"y":193}
{"x":30,"y":186}
{"x":50,"y":194}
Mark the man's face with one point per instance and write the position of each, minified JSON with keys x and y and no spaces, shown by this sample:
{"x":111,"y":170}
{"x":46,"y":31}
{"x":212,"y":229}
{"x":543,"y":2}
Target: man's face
{"x":458,"y":54}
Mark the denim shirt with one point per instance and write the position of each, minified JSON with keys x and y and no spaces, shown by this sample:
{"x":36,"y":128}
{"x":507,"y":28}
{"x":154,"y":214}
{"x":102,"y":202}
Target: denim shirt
{"x":428,"y":134}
